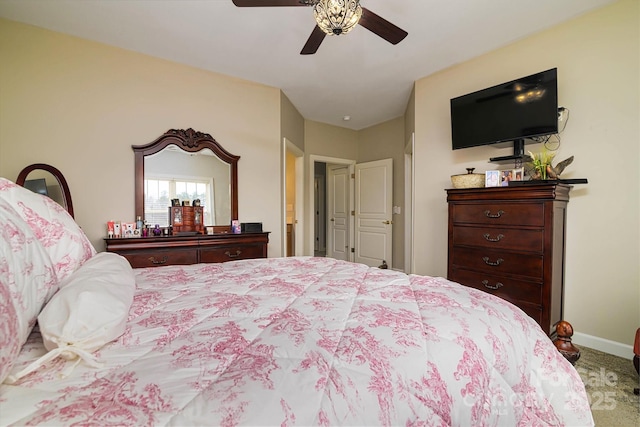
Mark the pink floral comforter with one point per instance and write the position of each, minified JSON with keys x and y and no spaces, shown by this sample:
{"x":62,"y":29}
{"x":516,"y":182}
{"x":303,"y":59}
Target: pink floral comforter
{"x":306,"y":341}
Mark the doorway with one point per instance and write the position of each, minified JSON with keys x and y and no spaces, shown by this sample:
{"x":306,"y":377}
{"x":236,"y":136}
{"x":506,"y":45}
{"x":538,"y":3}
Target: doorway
{"x":374,"y":213}
{"x":292,"y":199}
{"x":320,"y":209}
{"x":317,"y":214}
{"x":335,"y":189}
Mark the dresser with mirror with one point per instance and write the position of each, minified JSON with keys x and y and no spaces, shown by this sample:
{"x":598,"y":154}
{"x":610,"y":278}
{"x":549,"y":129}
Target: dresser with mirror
{"x":177,"y":169}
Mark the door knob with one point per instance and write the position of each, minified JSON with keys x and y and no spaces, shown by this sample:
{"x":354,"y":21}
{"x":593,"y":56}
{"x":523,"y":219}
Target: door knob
{"x":332,"y":219}
{"x":387,"y":222}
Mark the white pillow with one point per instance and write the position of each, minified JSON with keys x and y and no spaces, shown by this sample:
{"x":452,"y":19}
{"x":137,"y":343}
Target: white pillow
{"x":89,"y":310}
{"x":27,"y":282}
{"x":63,"y":239}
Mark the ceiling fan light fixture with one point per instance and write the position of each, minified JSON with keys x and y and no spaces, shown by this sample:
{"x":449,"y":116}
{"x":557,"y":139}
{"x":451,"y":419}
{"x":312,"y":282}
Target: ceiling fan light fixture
{"x":336,"y":17}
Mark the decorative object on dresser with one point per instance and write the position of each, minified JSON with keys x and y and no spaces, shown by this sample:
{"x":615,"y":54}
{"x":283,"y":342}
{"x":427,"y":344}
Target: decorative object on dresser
{"x":186,"y":219}
{"x":468,"y":180}
{"x":510,"y":242}
{"x":251,"y":227}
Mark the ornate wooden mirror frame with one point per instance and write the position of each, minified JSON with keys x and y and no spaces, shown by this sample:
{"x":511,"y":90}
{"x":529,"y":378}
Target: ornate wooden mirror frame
{"x":191,"y":141}
{"x":64,"y":188}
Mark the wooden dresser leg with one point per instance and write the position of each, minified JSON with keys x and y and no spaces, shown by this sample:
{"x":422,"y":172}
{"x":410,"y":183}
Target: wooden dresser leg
{"x":564,"y":330}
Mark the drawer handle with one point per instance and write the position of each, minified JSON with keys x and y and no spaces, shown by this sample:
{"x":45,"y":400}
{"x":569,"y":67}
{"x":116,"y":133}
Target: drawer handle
{"x":230,"y":255}
{"x":494,"y":287}
{"x":496,"y":215}
{"x":492,"y":239}
{"x":160,"y":262}
{"x":497,"y":262}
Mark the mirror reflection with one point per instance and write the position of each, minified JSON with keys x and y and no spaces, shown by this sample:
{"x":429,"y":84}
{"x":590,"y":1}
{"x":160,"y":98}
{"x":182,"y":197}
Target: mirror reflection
{"x":173,"y":173}
{"x":186,"y":165}
{"x":46,"y":180}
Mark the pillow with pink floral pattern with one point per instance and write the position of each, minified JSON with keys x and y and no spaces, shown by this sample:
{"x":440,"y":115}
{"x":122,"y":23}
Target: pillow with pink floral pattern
{"x":27,"y":281}
{"x":62,"y":238}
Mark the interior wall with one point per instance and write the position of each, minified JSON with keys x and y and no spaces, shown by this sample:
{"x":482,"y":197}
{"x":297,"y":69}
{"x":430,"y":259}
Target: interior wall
{"x":292,"y":122}
{"x":323,"y":140}
{"x":597,"y":56}
{"x":80,"y":105}
{"x":386,"y":141}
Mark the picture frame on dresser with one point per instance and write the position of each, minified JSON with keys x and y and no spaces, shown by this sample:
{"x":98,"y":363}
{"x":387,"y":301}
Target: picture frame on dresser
{"x":492,"y":178}
{"x":518,"y":174}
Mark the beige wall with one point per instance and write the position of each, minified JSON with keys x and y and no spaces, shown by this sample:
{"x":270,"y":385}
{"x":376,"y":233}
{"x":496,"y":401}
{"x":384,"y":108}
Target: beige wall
{"x":80,"y":105}
{"x":324,"y":140}
{"x":597,"y":56}
{"x":292,"y":122}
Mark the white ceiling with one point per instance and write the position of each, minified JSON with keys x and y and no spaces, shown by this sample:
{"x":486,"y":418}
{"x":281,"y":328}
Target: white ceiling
{"x":357,"y":74}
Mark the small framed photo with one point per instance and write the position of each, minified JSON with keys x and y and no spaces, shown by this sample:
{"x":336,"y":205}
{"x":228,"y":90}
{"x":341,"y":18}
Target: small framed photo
{"x":506,"y":176}
{"x":518,"y":174}
{"x":492,"y":179}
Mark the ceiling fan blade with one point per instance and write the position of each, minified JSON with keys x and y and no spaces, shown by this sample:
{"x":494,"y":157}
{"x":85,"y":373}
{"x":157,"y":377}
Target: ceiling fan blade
{"x":313,"y":42}
{"x":270,"y":3}
{"x":381,"y":27}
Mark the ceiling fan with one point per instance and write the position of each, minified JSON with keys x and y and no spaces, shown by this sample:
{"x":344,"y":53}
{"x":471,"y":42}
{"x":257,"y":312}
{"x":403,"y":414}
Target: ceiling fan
{"x":348,"y":13}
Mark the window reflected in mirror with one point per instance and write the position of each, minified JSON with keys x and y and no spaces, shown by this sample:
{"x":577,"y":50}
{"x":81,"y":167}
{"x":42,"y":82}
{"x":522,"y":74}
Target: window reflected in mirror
{"x":176,"y":174}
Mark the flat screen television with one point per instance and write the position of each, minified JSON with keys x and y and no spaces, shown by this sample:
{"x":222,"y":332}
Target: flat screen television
{"x":513,"y":111}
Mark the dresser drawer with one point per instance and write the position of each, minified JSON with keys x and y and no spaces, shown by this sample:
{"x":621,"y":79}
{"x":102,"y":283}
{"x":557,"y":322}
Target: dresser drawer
{"x":496,"y":262}
{"x":513,"y":290}
{"x":499,"y":238}
{"x":160,"y":257}
{"x":231,"y":253}
{"x":522,"y":214}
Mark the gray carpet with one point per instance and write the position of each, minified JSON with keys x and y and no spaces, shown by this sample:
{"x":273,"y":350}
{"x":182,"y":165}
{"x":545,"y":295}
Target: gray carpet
{"x":609,"y":381}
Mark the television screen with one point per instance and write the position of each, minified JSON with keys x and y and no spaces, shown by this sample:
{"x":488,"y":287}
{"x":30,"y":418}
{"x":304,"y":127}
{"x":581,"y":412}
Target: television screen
{"x":37,"y":186}
{"x":512,"y":111}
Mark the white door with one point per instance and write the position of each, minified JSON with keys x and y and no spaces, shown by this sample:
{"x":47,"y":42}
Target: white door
{"x":374,"y":209}
{"x":338,"y":212}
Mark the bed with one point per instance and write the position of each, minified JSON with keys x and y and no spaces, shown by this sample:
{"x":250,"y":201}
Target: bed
{"x":280,"y":341}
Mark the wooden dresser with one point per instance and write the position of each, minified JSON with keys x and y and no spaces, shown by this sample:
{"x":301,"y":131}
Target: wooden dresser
{"x":510,"y":242}
{"x":172,"y":250}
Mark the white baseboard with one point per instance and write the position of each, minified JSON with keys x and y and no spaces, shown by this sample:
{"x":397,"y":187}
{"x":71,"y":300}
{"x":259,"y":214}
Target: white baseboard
{"x":604,"y":345}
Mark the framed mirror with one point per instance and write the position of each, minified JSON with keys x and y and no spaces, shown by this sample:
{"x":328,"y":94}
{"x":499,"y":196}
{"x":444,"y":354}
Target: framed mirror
{"x":48,"y":180}
{"x":186,"y":165}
